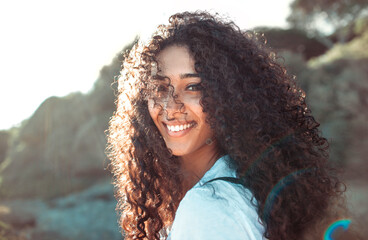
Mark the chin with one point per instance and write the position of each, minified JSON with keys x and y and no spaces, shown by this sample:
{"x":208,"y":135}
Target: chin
{"x":178,"y":151}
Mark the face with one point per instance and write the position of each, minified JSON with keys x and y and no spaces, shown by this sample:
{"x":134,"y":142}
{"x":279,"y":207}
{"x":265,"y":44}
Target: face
{"x":181,"y":121}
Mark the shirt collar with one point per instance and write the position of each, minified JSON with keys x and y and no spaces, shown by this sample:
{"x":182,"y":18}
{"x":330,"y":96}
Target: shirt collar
{"x":221,"y":168}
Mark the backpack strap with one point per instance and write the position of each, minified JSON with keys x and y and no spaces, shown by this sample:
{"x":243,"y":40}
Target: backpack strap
{"x":228,"y":179}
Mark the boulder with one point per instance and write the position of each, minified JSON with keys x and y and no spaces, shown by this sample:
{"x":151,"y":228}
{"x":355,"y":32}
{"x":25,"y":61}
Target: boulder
{"x":87,"y":215}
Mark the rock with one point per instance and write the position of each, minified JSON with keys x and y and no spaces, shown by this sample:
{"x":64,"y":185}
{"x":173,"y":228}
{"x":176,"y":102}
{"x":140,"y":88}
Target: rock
{"x":19,"y":214}
{"x":47,"y":235}
{"x":4,"y":144}
{"x":293,"y":40}
{"x":61,"y":148}
{"x":8,"y":233}
{"x":88,"y":215}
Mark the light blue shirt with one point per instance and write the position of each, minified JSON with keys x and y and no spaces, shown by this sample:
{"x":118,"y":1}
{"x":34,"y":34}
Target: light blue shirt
{"x":217,"y":210}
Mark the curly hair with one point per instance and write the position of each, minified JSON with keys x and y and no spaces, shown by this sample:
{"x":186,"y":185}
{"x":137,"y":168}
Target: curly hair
{"x":261,"y":121}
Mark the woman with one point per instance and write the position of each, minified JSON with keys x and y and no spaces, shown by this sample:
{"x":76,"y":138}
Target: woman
{"x":213,"y":139}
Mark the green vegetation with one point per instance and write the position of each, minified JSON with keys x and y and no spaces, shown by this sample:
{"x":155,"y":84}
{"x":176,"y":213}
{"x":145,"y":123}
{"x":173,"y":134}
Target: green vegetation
{"x":308,"y":15}
{"x":60,"y":149}
{"x":336,"y":85}
{"x":354,"y":50}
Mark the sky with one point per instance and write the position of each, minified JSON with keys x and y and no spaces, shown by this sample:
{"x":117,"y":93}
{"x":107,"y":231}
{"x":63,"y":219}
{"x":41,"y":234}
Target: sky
{"x":52,"y":48}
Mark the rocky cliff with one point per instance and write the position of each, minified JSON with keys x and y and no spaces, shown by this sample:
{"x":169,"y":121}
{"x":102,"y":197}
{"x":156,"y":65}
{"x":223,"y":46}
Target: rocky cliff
{"x":53,"y":179}
{"x":52,"y":168}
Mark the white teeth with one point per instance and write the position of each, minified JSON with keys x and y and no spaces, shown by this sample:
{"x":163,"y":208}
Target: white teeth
{"x":178,"y":128}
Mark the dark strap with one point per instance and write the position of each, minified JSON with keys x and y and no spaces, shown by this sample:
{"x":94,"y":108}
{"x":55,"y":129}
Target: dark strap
{"x":228,"y":179}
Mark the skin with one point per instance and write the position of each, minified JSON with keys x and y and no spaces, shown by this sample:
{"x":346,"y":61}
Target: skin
{"x":177,"y":66}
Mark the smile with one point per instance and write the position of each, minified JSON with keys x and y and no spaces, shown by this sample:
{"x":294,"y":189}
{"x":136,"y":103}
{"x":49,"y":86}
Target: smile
{"x":179,"y":130}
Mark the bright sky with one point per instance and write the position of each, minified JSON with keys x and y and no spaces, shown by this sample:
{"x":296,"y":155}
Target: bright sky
{"x":52,"y":48}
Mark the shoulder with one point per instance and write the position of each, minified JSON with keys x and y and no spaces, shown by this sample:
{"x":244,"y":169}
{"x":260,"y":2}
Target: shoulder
{"x":208,"y":212}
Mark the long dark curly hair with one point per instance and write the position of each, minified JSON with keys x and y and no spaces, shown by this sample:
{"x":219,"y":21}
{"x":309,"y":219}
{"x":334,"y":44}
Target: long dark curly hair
{"x":260,"y":119}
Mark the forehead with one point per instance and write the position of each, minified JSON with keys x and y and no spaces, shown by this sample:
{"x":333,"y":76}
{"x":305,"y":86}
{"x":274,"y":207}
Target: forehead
{"x":175,"y":60}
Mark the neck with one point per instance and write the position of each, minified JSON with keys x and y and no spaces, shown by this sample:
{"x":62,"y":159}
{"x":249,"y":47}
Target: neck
{"x":196,"y":164}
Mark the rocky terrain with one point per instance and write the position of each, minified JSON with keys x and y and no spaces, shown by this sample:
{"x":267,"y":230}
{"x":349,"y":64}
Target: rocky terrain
{"x":53,"y":182}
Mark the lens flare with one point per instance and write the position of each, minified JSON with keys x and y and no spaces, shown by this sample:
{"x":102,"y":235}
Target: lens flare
{"x":280,"y":185}
{"x":344,"y":223}
{"x":267,"y":151}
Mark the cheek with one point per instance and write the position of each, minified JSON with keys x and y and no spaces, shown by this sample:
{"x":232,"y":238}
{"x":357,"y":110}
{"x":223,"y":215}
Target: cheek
{"x":202,"y":117}
{"x":197,"y":109}
{"x":153,"y":111}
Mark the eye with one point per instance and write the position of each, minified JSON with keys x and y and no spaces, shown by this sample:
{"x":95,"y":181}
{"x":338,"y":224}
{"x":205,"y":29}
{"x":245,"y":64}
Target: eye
{"x":161,"y":91}
{"x":194,"y":87}
{"x":161,"y":88}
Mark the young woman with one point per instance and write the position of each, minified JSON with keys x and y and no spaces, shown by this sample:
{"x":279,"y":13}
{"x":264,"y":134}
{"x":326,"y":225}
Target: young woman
{"x":212,"y":139}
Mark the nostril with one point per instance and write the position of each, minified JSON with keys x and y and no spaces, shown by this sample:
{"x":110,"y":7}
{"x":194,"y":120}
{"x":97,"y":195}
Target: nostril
{"x":173,"y":111}
{"x":168,"y":118}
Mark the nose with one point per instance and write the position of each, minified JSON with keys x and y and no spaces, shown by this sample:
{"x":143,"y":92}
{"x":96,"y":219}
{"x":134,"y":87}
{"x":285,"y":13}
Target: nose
{"x":173,"y":107}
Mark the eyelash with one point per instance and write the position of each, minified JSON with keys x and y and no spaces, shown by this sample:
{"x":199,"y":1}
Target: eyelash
{"x":197,"y":87}
{"x":161,"y":90}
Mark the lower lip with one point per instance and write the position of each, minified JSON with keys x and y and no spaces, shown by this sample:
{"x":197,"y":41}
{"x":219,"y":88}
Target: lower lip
{"x":178,"y":133}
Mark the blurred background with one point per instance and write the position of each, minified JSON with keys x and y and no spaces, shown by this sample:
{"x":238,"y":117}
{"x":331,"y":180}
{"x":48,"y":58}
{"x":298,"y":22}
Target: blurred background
{"x":59,"y":60}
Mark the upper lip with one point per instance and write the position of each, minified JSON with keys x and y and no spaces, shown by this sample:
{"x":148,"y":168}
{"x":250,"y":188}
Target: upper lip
{"x":175,"y":123}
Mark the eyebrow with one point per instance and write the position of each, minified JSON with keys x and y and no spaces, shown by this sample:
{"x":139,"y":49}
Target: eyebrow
{"x":159,"y":77}
{"x":189,"y":75}
{"x":182,"y":76}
